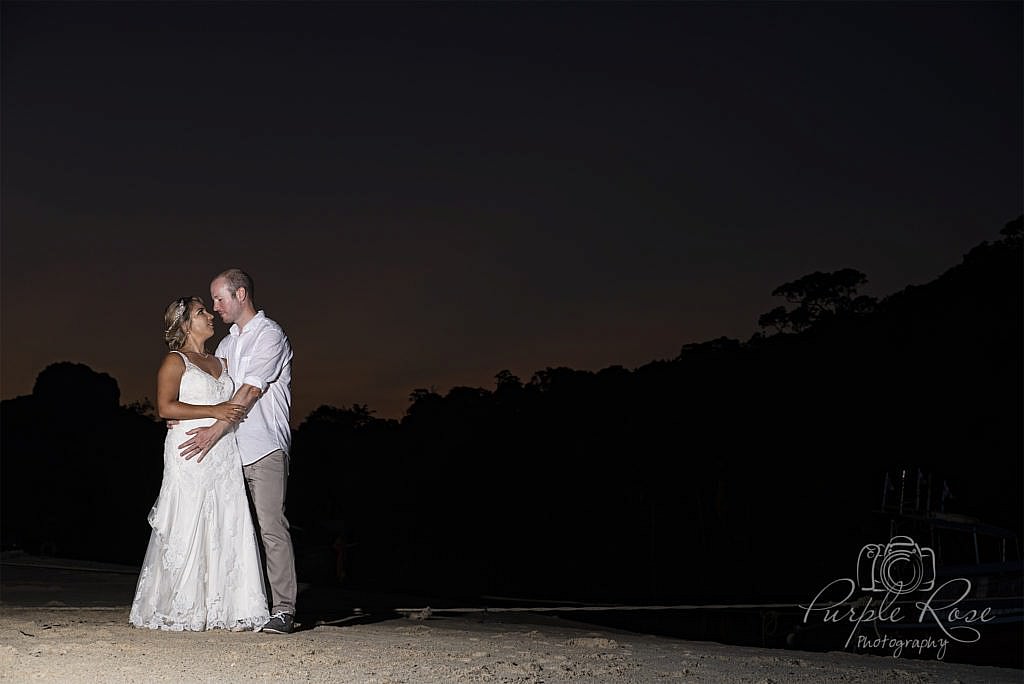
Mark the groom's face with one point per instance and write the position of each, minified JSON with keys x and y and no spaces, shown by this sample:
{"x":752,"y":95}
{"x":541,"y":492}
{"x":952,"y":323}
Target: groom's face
{"x":224,"y":303}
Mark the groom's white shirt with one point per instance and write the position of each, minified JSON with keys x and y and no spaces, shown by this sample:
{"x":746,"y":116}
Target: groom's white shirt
{"x":260,"y":355}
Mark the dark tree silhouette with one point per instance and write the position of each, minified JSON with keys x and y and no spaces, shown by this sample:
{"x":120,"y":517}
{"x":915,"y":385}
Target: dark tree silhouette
{"x":504,"y":379}
{"x":75,"y":384}
{"x":1014,"y":229}
{"x":351,"y":418}
{"x":778,"y":318}
{"x":818,"y":296}
{"x":66,"y":473}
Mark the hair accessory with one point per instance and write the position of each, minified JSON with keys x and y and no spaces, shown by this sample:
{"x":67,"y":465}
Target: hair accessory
{"x":180,"y":309}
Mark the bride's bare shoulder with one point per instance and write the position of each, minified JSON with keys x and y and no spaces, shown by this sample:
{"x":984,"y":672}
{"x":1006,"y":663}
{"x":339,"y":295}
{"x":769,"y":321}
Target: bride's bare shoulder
{"x":172,"y":361}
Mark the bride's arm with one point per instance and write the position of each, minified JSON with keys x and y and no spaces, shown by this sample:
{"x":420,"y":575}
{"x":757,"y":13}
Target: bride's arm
{"x":203,"y":438}
{"x":168,"y":405}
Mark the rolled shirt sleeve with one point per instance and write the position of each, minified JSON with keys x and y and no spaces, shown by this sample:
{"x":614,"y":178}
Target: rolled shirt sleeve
{"x":270,"y":354}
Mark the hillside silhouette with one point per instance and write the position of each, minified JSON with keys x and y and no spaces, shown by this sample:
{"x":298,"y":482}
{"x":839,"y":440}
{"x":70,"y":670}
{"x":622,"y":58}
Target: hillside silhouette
{"x":738,"y":470}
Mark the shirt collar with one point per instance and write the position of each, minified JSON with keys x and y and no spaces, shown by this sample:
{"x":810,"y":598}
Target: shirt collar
{"x":255,"y":323}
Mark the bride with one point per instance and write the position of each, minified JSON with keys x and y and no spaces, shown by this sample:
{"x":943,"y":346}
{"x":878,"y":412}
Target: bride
{"x":202,"y":567}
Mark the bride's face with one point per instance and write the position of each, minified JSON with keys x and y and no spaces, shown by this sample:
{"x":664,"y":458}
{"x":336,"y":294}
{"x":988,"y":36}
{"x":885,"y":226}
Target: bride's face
{"x":200,"y":322}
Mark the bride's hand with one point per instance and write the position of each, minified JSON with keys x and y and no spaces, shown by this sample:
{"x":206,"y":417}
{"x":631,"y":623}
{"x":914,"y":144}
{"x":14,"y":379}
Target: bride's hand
{"x":228,"y":412}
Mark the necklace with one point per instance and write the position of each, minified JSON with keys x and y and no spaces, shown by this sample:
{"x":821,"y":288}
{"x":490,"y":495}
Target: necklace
{"x":200,"y":354}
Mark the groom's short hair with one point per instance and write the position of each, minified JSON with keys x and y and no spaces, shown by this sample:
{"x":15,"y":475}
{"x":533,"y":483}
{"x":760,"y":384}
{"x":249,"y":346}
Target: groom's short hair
{"x":237,"y":278}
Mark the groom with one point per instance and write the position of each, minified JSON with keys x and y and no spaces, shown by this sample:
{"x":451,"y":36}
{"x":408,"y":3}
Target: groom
{"x":260,"y":360}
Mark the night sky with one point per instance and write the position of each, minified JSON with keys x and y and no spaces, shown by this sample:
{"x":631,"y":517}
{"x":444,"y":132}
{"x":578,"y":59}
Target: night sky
{"x":429,"y":193}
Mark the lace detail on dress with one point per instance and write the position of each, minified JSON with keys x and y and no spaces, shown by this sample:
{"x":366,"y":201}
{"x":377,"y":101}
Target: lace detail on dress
{"x":202,"y":567}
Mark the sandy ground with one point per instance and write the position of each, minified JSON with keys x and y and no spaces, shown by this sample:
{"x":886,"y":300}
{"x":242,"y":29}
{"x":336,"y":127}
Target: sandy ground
{"x":97,"y":645}
{"x":53,"y":627}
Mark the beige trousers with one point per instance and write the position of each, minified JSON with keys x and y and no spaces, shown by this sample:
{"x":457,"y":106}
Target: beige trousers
{"x":267,"y":480}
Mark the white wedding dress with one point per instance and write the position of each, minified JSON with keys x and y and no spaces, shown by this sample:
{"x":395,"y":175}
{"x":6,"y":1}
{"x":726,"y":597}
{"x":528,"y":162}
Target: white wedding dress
{"x":202,"y":567}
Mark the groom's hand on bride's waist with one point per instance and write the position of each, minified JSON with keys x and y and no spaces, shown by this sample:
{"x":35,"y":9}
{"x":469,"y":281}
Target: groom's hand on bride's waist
{"x":201,"y":440}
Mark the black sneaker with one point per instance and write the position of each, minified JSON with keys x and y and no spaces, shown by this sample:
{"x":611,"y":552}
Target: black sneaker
{"x":280,"y":623}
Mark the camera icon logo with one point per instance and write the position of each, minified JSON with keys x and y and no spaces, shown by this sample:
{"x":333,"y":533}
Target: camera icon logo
{"x":899,"y":567}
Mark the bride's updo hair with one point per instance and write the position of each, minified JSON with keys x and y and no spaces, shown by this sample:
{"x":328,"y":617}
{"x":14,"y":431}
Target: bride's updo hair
{"x":174,"y":321}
